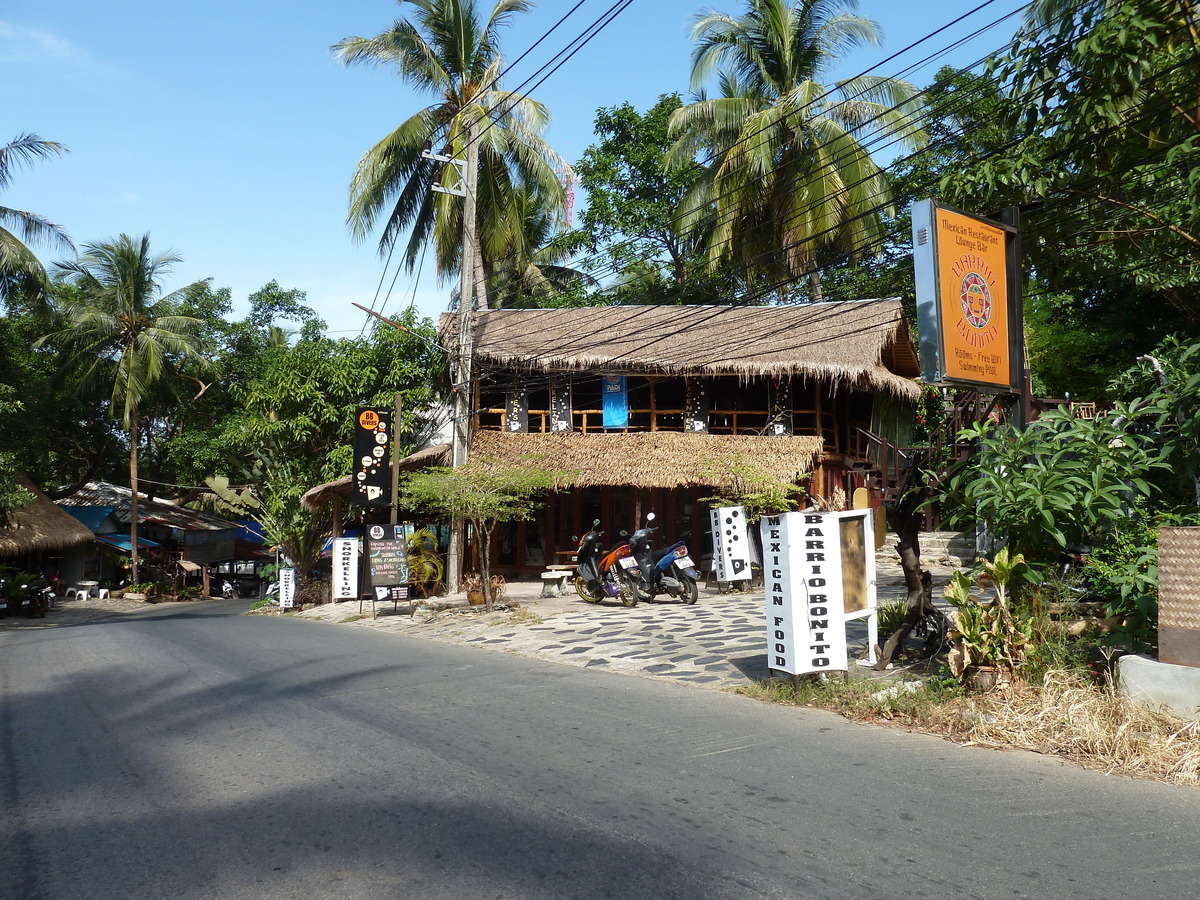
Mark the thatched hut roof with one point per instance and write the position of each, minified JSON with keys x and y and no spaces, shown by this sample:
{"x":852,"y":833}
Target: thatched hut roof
{"x":314,"y":498}
{"x":658,"y":459}
{"x":863,"y":344}
{"x":40,"y":525}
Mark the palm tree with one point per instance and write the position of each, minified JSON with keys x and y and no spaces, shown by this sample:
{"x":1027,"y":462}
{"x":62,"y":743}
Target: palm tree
{"x":448,"y":50}
{"x":120,"y":326}
{"x":525,"y":265}
{"x":17,"y":262}
{"x":789,"y":169}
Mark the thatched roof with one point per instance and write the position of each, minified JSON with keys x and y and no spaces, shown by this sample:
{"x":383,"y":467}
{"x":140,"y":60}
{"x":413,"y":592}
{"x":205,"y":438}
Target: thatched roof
{"x":40,"y":525}
{"x":315,"y":498}
{"x":863,"y":344}
{"x":658,"y":459}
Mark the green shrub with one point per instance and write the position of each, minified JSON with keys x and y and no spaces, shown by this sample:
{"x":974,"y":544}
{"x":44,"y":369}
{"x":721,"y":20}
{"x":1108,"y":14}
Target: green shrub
{"x":1124,"y":572}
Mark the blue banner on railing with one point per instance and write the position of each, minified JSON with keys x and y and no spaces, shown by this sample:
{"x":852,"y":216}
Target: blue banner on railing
{"x":616,"y":401}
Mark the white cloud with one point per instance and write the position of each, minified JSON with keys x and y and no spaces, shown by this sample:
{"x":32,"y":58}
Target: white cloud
{"x":21,"y":44}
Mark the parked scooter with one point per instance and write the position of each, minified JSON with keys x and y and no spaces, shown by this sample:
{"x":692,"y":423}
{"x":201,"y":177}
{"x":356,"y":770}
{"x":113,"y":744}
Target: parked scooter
{"x":597,"y":574}
{"x":230,"y":590}
{"x":669,"y":571}
{"x":36,"y":600}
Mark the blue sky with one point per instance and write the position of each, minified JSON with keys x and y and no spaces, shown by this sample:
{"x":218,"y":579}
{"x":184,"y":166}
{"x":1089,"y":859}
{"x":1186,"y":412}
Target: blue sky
{"x":227,"y":131}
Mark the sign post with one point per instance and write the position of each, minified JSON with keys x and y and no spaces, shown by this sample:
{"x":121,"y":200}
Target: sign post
{"x":731,"y":547}
{"x":386,"y":549}
{"x":818,"y":573}
{"x":372,"y":474}
{"x":287,"y":588}
{"x":969,"y":314}
{"x":345,"y":568}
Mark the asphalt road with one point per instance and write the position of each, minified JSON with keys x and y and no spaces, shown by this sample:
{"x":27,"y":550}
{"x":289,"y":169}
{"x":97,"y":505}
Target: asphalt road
{"x":192,"y":752}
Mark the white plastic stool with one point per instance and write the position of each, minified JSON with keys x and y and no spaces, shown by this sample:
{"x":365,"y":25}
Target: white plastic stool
{"x":81,"y":594}
{"x":70,"y":593}
{"x":102,"y":594}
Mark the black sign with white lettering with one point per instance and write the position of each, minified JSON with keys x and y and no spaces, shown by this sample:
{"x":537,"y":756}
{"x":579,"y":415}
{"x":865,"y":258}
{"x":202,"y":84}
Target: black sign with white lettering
{"x":372,"y":472}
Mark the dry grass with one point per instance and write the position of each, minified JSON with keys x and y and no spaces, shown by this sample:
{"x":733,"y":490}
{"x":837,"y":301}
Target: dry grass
{"x":1066,"y":716}
{"x":1069,"y":717}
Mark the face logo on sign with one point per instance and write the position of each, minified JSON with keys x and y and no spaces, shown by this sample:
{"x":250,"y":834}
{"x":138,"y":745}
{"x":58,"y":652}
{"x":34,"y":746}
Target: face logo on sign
{"x":976,"y":300}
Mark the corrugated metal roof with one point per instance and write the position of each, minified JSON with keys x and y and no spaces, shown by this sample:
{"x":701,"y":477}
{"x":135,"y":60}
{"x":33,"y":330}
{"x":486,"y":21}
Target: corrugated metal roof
{"x":150,"y":509}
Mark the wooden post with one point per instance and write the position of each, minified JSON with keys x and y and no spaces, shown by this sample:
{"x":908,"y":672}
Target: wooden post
{"x":396,"y":459}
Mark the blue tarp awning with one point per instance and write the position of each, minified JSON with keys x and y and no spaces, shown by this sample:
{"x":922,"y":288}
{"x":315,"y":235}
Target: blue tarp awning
{"x":91,"y":516}
{"x":249,"y":530}
{"x":122,"y":543}
{"x":327,"y":549}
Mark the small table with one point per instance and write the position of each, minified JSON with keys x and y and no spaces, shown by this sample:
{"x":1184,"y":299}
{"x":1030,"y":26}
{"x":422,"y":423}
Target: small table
{"x":85,"y":589}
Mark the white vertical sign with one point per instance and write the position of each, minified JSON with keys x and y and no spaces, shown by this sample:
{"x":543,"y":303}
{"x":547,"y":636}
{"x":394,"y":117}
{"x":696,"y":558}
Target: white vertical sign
{"x":287,"y":588}
{"x":802,"y":574}
{"x":345,"y":568}
{"x":731,"y":548}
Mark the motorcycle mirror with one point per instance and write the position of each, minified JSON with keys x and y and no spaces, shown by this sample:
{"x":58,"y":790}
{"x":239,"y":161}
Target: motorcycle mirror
{"x":595,"y":523}
{"x":650,"y":517}
{"x":575,"y":538}
{"x":624,"y":533}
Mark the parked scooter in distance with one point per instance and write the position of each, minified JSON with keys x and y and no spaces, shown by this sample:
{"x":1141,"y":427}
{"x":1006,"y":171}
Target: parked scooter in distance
{"x":230,"y":590}
{"x":669,"y":571}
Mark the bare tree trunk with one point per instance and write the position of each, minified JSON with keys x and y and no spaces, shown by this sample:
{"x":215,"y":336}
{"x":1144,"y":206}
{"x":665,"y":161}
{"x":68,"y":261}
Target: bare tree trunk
{"x":133,"y":497}
{"x":906,"y":522}
{"x":485,"y":560}
{"x":814,"y":283}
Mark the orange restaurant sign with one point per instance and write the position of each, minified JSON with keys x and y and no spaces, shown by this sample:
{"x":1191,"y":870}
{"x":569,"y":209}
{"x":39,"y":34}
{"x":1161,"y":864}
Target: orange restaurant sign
{"x":969,"y":265}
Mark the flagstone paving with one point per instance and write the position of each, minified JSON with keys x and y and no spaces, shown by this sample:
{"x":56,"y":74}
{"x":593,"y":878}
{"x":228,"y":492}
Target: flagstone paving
{"x":718,"y":642}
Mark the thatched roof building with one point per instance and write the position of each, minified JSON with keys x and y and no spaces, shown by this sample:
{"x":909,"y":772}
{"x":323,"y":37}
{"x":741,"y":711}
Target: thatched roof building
{"x":863,"y":344}
{"x":40,"y":526}
{"x":659,"y":459}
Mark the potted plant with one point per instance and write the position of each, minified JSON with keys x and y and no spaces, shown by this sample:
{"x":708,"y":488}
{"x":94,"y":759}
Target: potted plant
{"x":472,"y":583}
{"x":988,"y":642}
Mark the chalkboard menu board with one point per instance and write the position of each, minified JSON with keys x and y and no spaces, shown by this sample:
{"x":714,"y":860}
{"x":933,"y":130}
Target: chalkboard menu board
{"x":387,"y":556}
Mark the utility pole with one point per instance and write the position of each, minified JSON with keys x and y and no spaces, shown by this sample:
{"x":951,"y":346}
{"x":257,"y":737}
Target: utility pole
{"x":461,"y":426}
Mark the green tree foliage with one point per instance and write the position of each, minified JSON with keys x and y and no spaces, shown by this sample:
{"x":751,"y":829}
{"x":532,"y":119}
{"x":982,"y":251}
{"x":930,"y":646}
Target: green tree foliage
{"x":1107,"y":173}
{"x":119,"y":326}
{"x":292,"y":422}
{"x":790,"y":171}
{"x":962,"y":118}
{"x":448,"y":49}
{"x":528,"y":261}
{"x":47,"y":428}
{"x":483,"y":493}
{"x":630,"y":226}
{"x":1060,"y":483}
{"x":18,"y":264}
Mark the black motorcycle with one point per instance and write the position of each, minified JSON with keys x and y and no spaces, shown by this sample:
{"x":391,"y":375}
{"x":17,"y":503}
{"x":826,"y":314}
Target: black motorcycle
{"x":36,"y":600}
{"x":596,"y":578}
{"x":669,"y":571}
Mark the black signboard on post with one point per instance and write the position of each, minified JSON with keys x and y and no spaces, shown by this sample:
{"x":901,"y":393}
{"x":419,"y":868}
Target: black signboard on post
{"x":372,"y":473}
{"x":387,"y":563}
